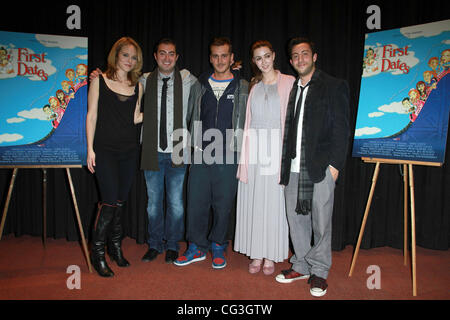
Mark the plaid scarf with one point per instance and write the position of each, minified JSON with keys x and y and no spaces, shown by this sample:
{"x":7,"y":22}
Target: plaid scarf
{"x":305,"y":185}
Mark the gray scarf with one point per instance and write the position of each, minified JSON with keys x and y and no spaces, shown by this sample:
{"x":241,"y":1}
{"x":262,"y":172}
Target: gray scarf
{"x":149,"y":156}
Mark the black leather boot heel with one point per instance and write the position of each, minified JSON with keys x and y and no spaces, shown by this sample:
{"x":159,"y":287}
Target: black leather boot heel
{"x":115,"y":238}
{"x":102,"y":224}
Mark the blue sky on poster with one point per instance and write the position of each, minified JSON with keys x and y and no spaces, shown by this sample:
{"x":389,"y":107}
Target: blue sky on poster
{"x":401,"y":57}
{"x":38,"y":64}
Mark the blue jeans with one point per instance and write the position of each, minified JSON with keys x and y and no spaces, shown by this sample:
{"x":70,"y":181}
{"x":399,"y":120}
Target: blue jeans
{"x":165,"y":231}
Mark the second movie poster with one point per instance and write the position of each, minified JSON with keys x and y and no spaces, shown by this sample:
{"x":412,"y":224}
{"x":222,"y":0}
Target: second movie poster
{"x":404,"y":101}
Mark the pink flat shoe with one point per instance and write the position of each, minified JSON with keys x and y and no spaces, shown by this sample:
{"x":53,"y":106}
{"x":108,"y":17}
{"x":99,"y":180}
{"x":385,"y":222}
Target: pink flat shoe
{"x":254,"y":267}
{"x":268,"y":269}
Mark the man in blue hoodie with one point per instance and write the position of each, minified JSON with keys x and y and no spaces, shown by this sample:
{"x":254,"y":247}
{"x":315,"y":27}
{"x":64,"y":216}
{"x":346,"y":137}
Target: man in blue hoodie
{"x":216,"y":116}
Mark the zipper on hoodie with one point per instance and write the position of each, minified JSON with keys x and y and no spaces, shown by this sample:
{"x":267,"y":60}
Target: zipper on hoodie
{"x":235,"y":107}
{"x":217,"y":110}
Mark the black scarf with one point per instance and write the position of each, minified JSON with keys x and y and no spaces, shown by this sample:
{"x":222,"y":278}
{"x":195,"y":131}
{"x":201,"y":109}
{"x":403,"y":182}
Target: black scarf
{"x":149,"y":157}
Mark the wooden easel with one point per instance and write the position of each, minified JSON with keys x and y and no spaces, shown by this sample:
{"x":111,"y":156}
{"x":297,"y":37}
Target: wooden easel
{"x":44,"y":185}
{"x":406,"y":165}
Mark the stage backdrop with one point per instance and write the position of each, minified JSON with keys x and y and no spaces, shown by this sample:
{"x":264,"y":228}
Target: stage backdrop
{"x":404,"y":99}
{"x":337,"y":26}
{"x":43,"y":94}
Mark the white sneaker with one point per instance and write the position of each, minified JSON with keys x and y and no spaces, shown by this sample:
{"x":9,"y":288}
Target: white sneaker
{"x":318,"y":286}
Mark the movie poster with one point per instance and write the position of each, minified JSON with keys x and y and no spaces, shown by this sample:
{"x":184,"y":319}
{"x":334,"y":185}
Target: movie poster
{"x":43,"y":99}
{"x":404,"y":101}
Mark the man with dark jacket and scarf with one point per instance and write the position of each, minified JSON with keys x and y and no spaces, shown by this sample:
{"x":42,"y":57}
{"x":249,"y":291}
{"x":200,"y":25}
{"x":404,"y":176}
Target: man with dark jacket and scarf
{"x":216,"y":116}
{"x":166,"y":99}
{"x":315,"y":146}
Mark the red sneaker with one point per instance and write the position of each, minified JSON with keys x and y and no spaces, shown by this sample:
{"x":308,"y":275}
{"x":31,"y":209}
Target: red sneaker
{"x":288,"y":276}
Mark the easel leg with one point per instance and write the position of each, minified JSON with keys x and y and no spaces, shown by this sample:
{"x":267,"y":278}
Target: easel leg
{"x":366,"y":213}
{"x":44,"y":206}
{"x":8,"y":198}
{"x":80,"y":226}
{"x":413,"y":229}
{"x":405,"y":215}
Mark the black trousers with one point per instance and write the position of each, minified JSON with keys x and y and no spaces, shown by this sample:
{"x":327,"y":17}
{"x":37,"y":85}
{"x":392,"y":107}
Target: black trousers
{"x":210,"y":186}
{"x":115,"y":173}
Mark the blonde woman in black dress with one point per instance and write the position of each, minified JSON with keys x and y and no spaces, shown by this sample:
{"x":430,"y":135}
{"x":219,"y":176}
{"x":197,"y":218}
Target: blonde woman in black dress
{"x":113,"y":146}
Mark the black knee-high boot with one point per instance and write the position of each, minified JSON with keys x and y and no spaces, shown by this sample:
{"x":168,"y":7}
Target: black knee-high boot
{"x":115,"y":237}
{"x":102,"y":226}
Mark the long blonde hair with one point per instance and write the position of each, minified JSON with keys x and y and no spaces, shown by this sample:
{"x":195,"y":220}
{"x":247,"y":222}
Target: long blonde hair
{"x":257,"y":75}
{"x":134,"y":74}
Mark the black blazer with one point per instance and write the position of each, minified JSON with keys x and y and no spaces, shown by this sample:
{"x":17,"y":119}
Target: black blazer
{"x":326,"y":122}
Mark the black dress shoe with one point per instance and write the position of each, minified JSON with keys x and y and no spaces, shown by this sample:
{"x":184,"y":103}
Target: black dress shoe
{"x":150,"y":255}
{"x":171,"y":256}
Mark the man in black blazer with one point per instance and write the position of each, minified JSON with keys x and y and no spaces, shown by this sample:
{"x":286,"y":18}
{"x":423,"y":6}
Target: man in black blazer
{"x":315,"y":143}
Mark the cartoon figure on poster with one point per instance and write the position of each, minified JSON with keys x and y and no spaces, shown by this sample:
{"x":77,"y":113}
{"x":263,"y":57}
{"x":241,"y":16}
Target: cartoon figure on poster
{"x":404,"y":99}
{"x":6,"y":65}
{"x":52,"y":70}
{"x":370,"y":62}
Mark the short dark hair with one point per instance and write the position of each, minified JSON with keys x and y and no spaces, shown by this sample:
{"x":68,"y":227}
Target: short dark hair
{"x":164,"y":41}
{"x":221,"y":41}
{"x":298,"y":40}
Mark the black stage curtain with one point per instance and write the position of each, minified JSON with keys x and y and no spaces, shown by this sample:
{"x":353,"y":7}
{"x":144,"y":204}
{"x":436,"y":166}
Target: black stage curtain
{"x":338,"y":28}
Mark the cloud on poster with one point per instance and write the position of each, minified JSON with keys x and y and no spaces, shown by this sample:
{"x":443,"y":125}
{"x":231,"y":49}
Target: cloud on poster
{"x":35,"y":113}
{"x":366,"y":131}
{"x":394,"y":107}
{"x":375,"y":114}
{"x":432,"y":29}
{"x":63,"y":42}
{"x":15,"y":120}
{"x":10,"y":137}
{"x":32,"y":114}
